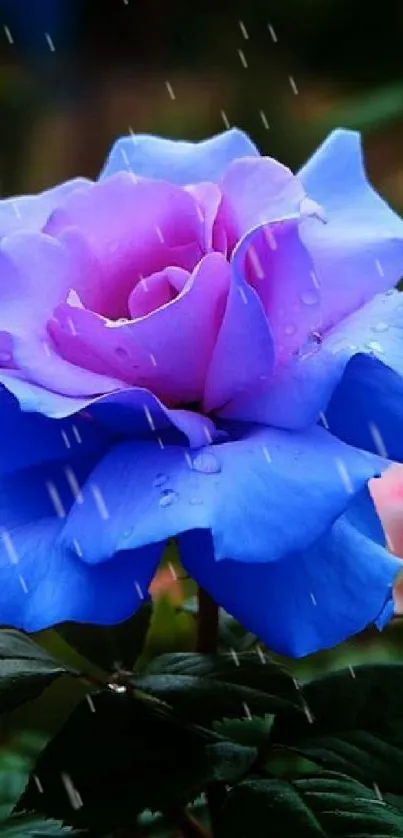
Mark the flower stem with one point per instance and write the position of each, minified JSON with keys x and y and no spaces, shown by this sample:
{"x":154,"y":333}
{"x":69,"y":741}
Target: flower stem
{"x":207,"y":623}
{"x":207,"y":642}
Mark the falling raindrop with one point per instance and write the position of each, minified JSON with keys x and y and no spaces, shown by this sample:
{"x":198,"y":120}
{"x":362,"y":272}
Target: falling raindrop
{"x":206,"y":462}
{"x":242,"y":57}
{"x":235,"y":657}
{"x":168,"y":497}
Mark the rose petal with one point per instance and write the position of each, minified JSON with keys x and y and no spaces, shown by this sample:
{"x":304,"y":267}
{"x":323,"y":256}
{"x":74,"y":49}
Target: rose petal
{"x":31,"y":212}
{"x":387,"y":494}
{"x":130,"y":412}
{"x":168,"y":350}
{"x":178,"y":161}
{"x":134,"y":228}
{"x":255,"y":192}
{"x":359,"y":253}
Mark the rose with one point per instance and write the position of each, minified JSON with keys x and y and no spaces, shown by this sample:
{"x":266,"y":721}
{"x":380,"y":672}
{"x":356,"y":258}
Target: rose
{"x":199,"y":345}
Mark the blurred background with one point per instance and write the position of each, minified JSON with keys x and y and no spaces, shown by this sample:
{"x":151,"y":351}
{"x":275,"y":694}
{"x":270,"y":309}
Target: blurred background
{"x":74,"y":74}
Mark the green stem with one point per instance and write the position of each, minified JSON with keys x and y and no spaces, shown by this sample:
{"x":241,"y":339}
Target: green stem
{"x":207,"y":624}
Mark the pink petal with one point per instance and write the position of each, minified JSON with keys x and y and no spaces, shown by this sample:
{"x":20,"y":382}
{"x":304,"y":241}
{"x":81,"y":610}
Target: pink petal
{"x":387,"y":494}
{"x":156,"y":291}
{"x":134,"y":228}
{"x":35,"y":275}
{"x":208,"y":197}
{"x":167,"y":351}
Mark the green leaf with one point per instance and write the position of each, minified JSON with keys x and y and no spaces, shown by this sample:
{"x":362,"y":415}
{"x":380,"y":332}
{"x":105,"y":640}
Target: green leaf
{"x":205,"y":688}
{"x":112,"y":761}
{"x":323,"y":806}
{"x":32,"y":826}
{"x":354,"y":724}
{"x":254,"y":731}
{"x":25,"y":669}
{"x":16,"y":763}
{"x":110,"y":647}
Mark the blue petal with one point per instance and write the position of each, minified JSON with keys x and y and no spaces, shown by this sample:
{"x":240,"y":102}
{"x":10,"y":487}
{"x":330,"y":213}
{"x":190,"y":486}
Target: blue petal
{"x":178,"y":161}
{"x":48,"y":585}
{"x":262,"y":496}
{"x":131,"y":411}
{"x":40,"y":582}
{"x":359,"y":252}
{"x":360,"y":362}
{"x":311,"y":600}
{"x":29,"y":439}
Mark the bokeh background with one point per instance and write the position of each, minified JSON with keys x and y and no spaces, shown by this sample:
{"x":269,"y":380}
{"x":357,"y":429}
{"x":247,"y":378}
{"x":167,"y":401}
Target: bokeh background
{"x":75,"y":74}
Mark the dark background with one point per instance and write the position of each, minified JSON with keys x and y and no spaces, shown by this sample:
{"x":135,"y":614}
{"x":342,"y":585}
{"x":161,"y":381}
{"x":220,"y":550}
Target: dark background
{"x":74,"y":74}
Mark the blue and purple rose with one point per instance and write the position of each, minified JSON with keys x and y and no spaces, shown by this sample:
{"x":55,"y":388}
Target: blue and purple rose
{"x":201,"y":345}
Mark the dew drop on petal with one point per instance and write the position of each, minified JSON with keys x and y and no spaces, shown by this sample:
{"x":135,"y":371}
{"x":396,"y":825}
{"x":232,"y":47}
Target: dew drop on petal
{"x":195,"y":501}
{"x":310,"y":297}
{"x":290,"y":329}
{"x":120,"y":352}
{"x":160,"y":479}
{"x":380,"y":327}
{"x":167,"y":498}
{"x":206,"y":462}
{"x":127,"y":533}
{"x":374,"y":346}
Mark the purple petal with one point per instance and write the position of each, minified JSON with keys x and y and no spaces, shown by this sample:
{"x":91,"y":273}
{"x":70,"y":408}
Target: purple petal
{"x":31,"y":212}
{"x":134,"y":228}
{"x":255,"y":192}
{"x":166,"y":351}
{"x":300,"y":391}
{"x":244,"y":351}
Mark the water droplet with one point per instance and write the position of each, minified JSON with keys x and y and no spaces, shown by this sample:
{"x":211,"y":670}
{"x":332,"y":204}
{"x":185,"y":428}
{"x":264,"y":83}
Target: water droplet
{"x":120,"y":352}
{"x":160,"y":480}
{"x":122,"y":320}
{"x":374,"y":346}
{"x":206,"y":462}
{"x":390,"y":291}
{"x":380,"y":327}
{"x":167,"y":498}
{"x":127,"y":533}
{"x":5,"y":357}
{"x":196,"y":501}
{"x":290,"y":329}
{"x":310,"y":297}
